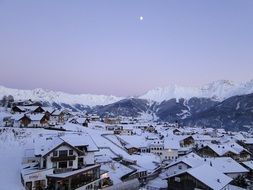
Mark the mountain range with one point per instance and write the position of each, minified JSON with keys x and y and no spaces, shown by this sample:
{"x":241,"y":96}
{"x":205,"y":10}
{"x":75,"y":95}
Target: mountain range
{"x":221,"y":103}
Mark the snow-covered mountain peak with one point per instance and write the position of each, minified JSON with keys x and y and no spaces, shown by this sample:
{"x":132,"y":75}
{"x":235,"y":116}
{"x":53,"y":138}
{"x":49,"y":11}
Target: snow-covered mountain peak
{"x":218,"y":90}
{"x":40,"y":94}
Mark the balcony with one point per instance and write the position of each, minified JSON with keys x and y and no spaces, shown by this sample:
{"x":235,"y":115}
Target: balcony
{"x":62,"y":170}
{"x":63,"y":158}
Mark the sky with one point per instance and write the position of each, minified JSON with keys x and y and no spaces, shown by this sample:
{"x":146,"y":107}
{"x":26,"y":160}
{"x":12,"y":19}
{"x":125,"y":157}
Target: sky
{"x":102,"y":47}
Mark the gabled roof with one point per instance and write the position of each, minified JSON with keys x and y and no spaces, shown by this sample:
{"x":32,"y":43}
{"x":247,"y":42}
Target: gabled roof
{"x":207,"y":175}
{"x":223,"y":164}
{"x":226,"y":147}
{"x":210,"y":176}
{"x":80,"y":139}
{"x":47,"y":143}
{"x":36,"y":117}
{"x":249,"y":164}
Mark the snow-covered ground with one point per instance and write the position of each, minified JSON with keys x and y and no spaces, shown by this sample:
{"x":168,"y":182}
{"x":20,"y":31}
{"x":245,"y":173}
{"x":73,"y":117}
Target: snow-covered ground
{"x":14,"y":142}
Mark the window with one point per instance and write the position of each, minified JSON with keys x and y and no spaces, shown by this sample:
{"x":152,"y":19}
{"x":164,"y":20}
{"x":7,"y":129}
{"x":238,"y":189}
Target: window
{"x":63,"y":164}
{"x":54,"y":164}
{"x":180,"y":167}
{"x":70,"y":163}
{"x":63,"y":153}
{"x":70,"y":152}
{"x":55,"y":153}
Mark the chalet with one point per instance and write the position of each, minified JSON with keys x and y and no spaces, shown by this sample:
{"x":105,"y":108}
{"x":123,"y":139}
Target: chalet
{"x":127,"y":131}
{"x":248,"y":143}
{"x":193,"y":179}
{"x":64,"y":162}
{"x":202,"y":139}
{"x":117,"y":129}
{"x":186,"y":141}
{"x":37,"y":109}
{"x":17,"y":109}
{"x":249,"y":166}
{"x":111,"y":121}
{"x":150,"y":129}
{"x":38,"y":120}
{"x":232,"y":150}
{"x":134,"y":144}
{"x":57,"y":117}
{"x":132,"y":149}
{"x":176,"y":131}
{"x":81,"y":121}
{"x":225,"y":165}
{"x":94,"y":117}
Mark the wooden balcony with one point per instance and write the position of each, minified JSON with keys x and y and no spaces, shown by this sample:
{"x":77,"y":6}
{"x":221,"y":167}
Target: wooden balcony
{"x":63,"y":158}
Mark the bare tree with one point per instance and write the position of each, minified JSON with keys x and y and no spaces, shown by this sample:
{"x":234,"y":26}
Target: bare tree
{"x":4,"y":100}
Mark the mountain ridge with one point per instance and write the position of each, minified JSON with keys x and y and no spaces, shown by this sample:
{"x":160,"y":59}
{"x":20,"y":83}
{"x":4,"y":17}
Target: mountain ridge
{"x":217,"y":90}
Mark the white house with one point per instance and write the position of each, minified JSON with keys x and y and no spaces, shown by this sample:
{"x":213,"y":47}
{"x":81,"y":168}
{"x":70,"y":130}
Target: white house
{"x":64,"y":161}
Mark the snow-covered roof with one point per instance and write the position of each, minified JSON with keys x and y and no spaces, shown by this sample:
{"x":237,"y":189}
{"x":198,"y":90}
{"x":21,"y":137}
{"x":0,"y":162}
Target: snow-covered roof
{"x":210,"y":176}
{"x":170,"y":143}
{"x":202,"y":137}
{"x":36,"y":117}
{"x":116,"y":171}
{"x":134,"y":140}
{"x":225,"y":165}
{"x":249,"y":164}
{"x":80,"y":139}
{"x":248,"y":141}
{"x":46,"y":143}
{"x":17,"y":117}
{"x":227,"y":147}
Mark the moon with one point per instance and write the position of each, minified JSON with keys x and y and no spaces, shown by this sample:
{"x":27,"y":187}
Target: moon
{"x":141,"y":18}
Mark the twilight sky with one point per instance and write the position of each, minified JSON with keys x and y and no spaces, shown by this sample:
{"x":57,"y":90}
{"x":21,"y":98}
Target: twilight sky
{"x":102,"y":47}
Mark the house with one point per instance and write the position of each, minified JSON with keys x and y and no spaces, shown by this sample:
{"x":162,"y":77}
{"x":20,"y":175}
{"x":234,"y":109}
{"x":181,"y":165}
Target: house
{"x":201,"y":177}
{"x":94,"y":117}
{"x":249,"y":166}
{"x":115,"y":128}
{"x":134,"y":144}
{"x":57,"y":117}
{"x":225,"y":165}
{"x":36,"y":109}
{"x":232,"y":150}
{"x":17,"y":109}
{"x":64,"y":162}
{"x":37,"y":120}
{"x":111,"y":121}
{"x":80,"y":120}
{"x":202,"y":139}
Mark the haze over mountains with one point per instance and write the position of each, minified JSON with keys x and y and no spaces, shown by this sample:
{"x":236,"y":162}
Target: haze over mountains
{"x":221,"y":104}
{"x":218,"y":90}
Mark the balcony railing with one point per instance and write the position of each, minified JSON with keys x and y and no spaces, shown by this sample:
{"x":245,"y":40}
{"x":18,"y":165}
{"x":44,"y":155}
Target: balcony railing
{"x":63,"y":158}
{"x":62,"y":170}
